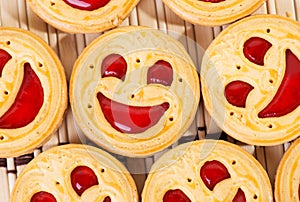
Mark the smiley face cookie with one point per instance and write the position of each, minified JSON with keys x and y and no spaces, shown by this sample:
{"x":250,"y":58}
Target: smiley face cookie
{"x":33,"y":92}
{"x":74,"y":173}
{"x":207,"y":170}
{"x":134,"y":91}
{"x":250,"y":80}
{"x":287,"y":183}
{"x":213,"y":12}
{"x":83,"y":16}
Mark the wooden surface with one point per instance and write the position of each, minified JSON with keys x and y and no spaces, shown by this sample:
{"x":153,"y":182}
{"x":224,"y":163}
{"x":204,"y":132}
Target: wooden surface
{"x":152,"y":13}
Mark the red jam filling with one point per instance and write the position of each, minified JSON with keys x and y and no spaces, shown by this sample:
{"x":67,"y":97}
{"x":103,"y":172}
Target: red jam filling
{"x":4,"y":58}
{"x":114,"y":65}
{"x":213,"y":172}
{"x":82,"y":178}
{"x":299,"y":192}
{"x":28,"y":102}
{"x":240,"y":196}
{"x":107,"y":199}
{"x":175,"y":195}
{"x":160,"y":73}
{"x":287,"y":97}
{"x":255,"y":50}
{"x":42,"y":196}
{"x":87,"y":5}
{"x":236,"y":93}
{"x":130,"y":119}
{"x":213,"y":1}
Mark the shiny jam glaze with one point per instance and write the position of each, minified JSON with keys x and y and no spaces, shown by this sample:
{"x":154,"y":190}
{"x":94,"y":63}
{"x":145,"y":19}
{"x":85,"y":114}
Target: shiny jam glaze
{"x":87,"y":5}
{"x":42,"y":196}
{"x":240,"y":196}
{"x":213,"y":172}
{"x":4,"y":58}
{"x":28,"y":102}
{"x":130,"y":119}
{"x":175,"y":195}
{"x":287,"y":98}
{"x":236,"y":93}
{"x":160,"y":73}
{"x":114,"y":65}
{"x":255,"y":50}
{"x":82,"y":178}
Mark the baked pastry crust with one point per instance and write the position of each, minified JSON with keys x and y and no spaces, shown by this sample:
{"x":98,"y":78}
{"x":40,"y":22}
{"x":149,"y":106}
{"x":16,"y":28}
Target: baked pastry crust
{"x":141,"y":47}
{"x":224,"y":62}
{"x":50,"y":171}
{"x":25,"y":47}
{"x":180,"y":168}
{"x":73,"y":20}
{"x":212,"y":14}
{"x":288,"y":176}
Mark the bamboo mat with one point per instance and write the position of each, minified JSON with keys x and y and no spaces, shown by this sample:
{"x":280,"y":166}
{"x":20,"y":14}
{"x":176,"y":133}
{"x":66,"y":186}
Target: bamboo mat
{"x":151,"y":13}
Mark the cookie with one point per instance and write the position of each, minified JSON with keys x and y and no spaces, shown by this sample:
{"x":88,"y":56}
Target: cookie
{"x":84,"y":16}
{"x":33,"y":92}
{"x":207,"y":170}
{"x":74,"y":172}
{"x":213,"y":12}
{"x":250,"y":80}
{"x":134,"y":91}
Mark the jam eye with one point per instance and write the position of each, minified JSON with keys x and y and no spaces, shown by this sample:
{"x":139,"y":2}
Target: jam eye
{"x":160,"y":73}
{"x":42,"y":196}
{"x":114,"y":65}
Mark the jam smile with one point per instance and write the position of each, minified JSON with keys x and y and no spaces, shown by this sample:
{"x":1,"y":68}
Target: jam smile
{"x":131,"y":119}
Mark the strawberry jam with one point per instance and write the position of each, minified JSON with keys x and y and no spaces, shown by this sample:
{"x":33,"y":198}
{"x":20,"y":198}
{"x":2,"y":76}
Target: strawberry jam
{"x":4,"y":58}
{"x":114,"y":65}
{"x":236,"y":93}
{"x":213,"y":172}
{"x":28,"y":102}
{"x":82,"y":178}
{"x":87,"y":5}
{"x":240,"y":196}
{"x":160,"y":73}
{"x":175,"y":195}
{"x":42,"y":196}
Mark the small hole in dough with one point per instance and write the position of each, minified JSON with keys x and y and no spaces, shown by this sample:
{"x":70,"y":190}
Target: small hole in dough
{"x":52,"y":3}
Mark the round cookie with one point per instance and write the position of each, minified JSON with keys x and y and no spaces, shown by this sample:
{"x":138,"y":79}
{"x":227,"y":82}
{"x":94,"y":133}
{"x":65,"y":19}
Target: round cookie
{"x":207,"y":170}
{"x":213,"y":12}
{"x":134,"y":91}
{"x":250,"y":80}
{"x":74,"y":172}
{"x":84,"y":16}
{"x":33,"y":92}
{"x":287,"y":183}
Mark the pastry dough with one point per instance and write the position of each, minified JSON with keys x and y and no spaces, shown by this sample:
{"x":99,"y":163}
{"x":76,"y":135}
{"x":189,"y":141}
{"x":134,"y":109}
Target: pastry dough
{"x":260,"y":55}
{"x":287,"y":181}
{"x":74,"y":20}
{"x":140,"y":48}
{"x":207,"y":13}
{"x":181,"y":168}
{"x":20,"y":94}
{"x":51,"y":172}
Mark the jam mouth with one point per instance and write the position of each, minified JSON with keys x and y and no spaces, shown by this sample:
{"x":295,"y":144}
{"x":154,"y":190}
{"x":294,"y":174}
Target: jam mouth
{"x":131,"y":119}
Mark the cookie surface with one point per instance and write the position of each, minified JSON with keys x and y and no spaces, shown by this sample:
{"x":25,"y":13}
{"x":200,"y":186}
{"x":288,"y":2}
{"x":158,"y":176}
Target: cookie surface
{"x":134,"y":91}
{"x":33,"y":89}
{"x":207,"y":170}
{"x":84,"y":16}
{"x":287,"y":183}
{"x":213,"y":12}
{"x":75,"y":173}
{"x":250,"y":80}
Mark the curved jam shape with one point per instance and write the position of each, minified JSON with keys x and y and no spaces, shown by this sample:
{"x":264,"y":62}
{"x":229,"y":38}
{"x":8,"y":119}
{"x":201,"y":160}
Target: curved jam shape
{"x":42,"y":196}
{"x":236,"y":93}
{"x":82,"y":178}
{"x":160,"y":73}
{"x":114,"y":65}
{"x":240,"y":196}
{"x":255,"y":50}
{"x":87,"y":5}
{"x":4,"y":58}
{"x":28,"y":102}
{"x":175,"y":195}
{"x":131,"y":119}
{"x":287,"y":98}
{"x":107,"y":199}
{"x":213,"y":172}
